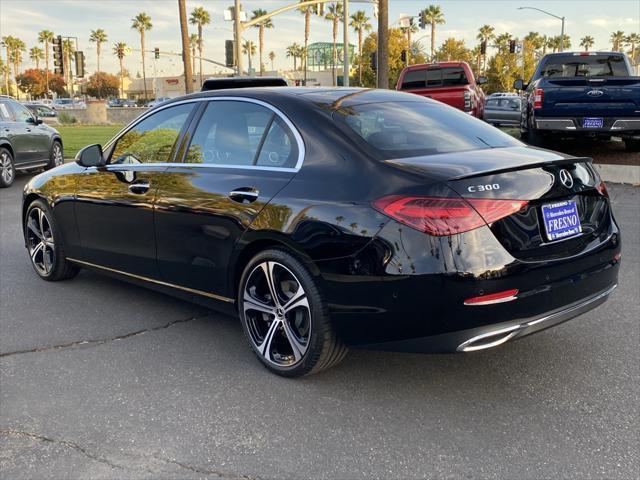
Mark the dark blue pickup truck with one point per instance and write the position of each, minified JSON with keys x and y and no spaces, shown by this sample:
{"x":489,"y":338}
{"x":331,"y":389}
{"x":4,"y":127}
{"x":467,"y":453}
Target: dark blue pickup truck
{"x":588,"y":94}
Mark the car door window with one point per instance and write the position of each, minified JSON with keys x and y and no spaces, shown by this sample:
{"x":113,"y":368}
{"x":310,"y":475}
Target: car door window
{"x":242,"y":133}
{"x":153,"y":139}
{"x":6,"y":114}
{"x":20,"y":113}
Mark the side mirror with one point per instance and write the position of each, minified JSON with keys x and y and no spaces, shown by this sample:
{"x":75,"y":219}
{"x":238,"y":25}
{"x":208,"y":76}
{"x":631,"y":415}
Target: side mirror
{"x":519,"y":84}
{"x":34,"y":121}
{"x":481,"y":80}
{"x":90,"y":156}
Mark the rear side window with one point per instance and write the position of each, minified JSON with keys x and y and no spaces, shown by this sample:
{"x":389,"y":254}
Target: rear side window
{"x":242,"y":134}
{"x":413,"y":79}
{"x":407,"y":129}
{"x":453,"y":76}
{"x":584,"y":66}
{"x":152,"y":140}
{"x":6,"y":114}
{"x":434,"y":77}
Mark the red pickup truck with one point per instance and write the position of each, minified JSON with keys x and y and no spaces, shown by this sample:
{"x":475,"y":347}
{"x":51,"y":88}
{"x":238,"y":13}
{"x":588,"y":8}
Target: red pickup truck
{"x":452,"y":83}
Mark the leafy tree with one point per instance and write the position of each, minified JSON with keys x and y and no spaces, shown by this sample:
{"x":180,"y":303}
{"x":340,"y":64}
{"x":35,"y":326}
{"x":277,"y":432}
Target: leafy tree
{"x":503,"y":67}
{"x":261,"y":26}
{"x":200,"y":17}
{"x":360,"y":23}
{"x":34,"y":82}
{"x":334,"y":15}
{"x":142,"y":23}
{"x":587,"y":42}
{"x":455,"y":50}
{"x":433,"y":16}
{"x":102,"y":83}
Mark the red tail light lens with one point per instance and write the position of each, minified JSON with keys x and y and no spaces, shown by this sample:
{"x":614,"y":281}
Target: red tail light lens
{"x":602,"y":189}
{"x":440,"y":216}
{"x":538,"y":97}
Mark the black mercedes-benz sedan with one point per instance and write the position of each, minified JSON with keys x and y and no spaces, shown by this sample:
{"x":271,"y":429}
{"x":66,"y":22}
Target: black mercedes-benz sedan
{"x":327,"y":218}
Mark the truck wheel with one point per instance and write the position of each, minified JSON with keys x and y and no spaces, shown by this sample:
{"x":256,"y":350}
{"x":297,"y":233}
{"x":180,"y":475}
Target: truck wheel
{"x":535,"y":138}
{"x":632,"y":144}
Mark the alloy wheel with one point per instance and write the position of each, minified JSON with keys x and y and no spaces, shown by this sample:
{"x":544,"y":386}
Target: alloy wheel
{"x":58,"y":157}
{"x":277,"y":314}
{"x":6,"y":168}
{"x":40,"y":241}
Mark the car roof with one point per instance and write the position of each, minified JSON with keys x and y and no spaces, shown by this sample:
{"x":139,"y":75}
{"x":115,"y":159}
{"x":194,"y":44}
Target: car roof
{"x":242,"y":82}
{"x":325,"y":98}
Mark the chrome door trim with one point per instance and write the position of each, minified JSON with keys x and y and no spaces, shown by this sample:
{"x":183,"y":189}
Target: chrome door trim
{"x":152,"y":280}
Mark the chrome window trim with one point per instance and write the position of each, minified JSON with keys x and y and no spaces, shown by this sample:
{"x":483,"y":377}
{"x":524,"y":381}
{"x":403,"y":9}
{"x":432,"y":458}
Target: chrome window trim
{"x":282,"y":116}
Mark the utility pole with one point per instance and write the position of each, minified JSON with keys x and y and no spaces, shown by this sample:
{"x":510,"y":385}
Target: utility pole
{"x":383,"y":44}
{"x":238,"y":35}
{"x":345,"y":48}
{"x":186,"y":51}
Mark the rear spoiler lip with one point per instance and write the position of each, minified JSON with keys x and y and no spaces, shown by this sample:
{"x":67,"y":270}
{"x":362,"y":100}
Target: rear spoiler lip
{"x":560,"y":161}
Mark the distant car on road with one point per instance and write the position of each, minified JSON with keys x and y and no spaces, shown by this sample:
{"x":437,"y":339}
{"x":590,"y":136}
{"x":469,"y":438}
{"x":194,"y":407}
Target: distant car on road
{"x":503,"y":94}
{"x":157,"y":101}
{"x":503,"y":110}
{"x":120,"y":102}
{"x":582,"y":94}
{"x":452,"y":83}
{"x":40,"y":110}
{"x":25,"y":142}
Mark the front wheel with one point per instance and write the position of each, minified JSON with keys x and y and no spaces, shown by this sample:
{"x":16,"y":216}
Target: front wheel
{"x":7,"y":169}
{"x":285,"y":318}
{"x":45,"y":246}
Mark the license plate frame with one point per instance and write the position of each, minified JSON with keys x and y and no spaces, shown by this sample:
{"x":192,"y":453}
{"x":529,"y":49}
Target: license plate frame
{"x":593,"y":122}
{"x":561,"y":220}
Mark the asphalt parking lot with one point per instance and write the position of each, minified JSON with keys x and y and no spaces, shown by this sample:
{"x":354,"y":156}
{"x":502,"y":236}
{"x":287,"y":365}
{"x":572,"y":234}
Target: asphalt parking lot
{"x":101,"y":379}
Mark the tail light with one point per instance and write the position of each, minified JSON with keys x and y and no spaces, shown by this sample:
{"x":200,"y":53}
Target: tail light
{"x":440,"y":216}
{"x":491,"y":298}
{"x":538,"y":97}
{"x":467,"y":100}
{"x":602,"y":189}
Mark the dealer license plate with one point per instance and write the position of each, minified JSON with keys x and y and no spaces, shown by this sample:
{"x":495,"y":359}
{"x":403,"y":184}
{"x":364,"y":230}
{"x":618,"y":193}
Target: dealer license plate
{"x":561,"y":220}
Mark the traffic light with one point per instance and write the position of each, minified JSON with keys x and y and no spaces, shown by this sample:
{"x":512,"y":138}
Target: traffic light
{"x":228,"y":53}
{"x":483,"y":47}
{"x":512,"y":46}
{"x":79,"y":59}
{"x":403,"y":56}
{"x":156,"y":53}
{"x":120,"y":53}
{"x":58,"y":63}
{"x":422,"y":20}
{"x":374,"y":61}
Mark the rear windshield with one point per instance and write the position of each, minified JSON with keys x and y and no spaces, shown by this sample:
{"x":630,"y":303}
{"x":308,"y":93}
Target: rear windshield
{"x":584,"y":66}
{"x":409,"y":129}
{"x":434,"y":77}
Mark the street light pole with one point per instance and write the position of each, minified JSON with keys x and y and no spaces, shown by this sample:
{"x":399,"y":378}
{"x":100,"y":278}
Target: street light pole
{"x":238,"y":35}
{"x":345,"y":47}
{"x":383,"y":44}
{"x":551,"y":15}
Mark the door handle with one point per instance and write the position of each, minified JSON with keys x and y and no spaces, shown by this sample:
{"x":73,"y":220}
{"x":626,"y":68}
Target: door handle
{"x":244,"y":195}
{"x":139,"y":187}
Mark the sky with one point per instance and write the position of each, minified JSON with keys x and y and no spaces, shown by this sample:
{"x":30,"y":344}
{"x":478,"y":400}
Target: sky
{"x":25,"y":18}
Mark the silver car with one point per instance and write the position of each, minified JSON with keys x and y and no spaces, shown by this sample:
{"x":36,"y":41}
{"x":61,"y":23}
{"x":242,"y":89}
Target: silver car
{"x":502,"y":111}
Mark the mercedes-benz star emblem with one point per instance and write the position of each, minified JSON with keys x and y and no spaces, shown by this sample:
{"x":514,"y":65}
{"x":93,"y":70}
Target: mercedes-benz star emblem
{"x":566,"y":178}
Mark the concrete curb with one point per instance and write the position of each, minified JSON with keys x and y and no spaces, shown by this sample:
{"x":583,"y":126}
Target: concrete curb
{"x":619,"y":173}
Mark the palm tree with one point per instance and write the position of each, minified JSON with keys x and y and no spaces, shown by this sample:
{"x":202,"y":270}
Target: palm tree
{"x":193,"y":44}
{"x":4,"y":70}
{"x":14,"y":47}
{"x":68,"y":49}
{"x":200,"y":17}
{"x":587,"y":42}
{"x":617,"y":40}
{"x":360,"y":23}
{"x":35,"y":55}
{"x":294,"y":50}
{"x":334,"y":15}
{"x":118,"y":50}
{"x":632,"y":40}
{"x":99,"y":37}
{"x":261,"y":26}
{"x":142,"y":23}
{"x":46,"y":36}
{"x":307,"y":11}
{"x":485,"y":34}
{"x":249,"y":48}
{"x":272,"y":57}
{"x":433,"y":16}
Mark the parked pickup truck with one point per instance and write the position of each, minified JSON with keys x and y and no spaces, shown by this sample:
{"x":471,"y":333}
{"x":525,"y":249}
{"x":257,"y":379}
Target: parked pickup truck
{"x":588,"y":94}
{"x":452,"y":83}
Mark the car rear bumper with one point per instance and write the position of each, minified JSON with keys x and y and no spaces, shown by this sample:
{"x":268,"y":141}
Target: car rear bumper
{"x":573,"y":124}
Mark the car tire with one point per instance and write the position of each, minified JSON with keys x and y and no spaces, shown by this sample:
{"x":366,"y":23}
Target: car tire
{"x":44,"y":244}
{"x":535,"y":138}
{"x":292,"y":336}
{"x":632,"y":144}
{"x":56,"y":155}
{"x":7,"y":168}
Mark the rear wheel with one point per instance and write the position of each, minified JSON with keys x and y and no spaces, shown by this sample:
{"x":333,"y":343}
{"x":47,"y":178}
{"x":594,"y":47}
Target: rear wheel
{"x":56,"y":156}
{"x":44,"y":245}
{"x":285,"y":318}
{"x":7,"y":169}
{"x":632,"y":144}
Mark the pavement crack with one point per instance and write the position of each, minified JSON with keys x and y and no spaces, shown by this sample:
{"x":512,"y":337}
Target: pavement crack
{"x":204,"y":471}
{"x":99,"y":341}
{"x":64,"y":443}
